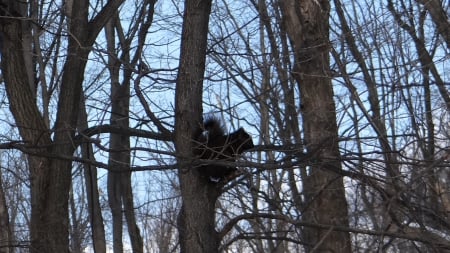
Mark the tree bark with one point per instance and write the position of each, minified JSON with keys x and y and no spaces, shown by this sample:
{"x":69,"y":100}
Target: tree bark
{"x":196,"y":221}
{"x":50,"y":178}
{"x":35,"y":133}
{"x":120,"y":192}
{"x":92,"y":194}
{"x":5,"y":231}
{"x":439,"y":17}
{"x":308,"y":29}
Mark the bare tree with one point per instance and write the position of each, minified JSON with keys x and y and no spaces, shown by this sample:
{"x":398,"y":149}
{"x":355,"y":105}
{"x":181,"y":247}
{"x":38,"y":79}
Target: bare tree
{"x":406,"y":151}
{"x":372,"y":118}
{"x":50,"y":178}
{"x":92,"y":192}
{"x":120,"y":193}
{"x":323,"y":187}
{"x":196,"y":221}
{"x":440,"y":18}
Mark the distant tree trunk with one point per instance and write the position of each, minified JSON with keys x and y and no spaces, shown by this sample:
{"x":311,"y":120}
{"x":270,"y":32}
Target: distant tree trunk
{"x":120,"y":193}
{"x":118,"y":165}
{"x":119,"y":161}
{"x":76,"y":233}
{"x":119,"y":177}
{"x":196,"y":221}
{"x":307,"y":26}
{"x":92,"y":194}
{"x":5,"y":231}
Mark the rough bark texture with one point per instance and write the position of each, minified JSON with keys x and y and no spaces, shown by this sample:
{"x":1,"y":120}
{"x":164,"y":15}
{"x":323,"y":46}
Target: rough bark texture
{"x":196,"y":222}
{"x":49,"y":231}
{"x":50,"y":178}
{"x":46,"y":212}
{"x":307,"y":26}
{"x":5,"y":231}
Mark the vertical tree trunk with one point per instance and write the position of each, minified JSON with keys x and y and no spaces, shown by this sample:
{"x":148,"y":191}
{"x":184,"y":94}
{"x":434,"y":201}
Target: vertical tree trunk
{"x":307,"y":26}
{"x":5,"y":231}
{"x":119,"y":160}
{"x":49,"y":217}
{"x":92,"y":194}
{"x":118,"y":165}
{"x":50,"y":178}
{"x":119,"y":177}
{"x":196,"y":221}
{"x":76,"y":235}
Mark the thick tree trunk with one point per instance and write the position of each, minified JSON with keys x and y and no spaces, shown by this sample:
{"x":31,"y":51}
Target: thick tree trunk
{"x":307,"y":26}
{"x":196,"y":222}
{"x":47,"y":212}
{"x":50,"y":178}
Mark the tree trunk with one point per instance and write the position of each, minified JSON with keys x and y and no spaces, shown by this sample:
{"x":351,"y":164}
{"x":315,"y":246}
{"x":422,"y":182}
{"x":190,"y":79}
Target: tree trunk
{"x":307,"y":26}
{"x":92,"y":194}
{"x":5,"y":231}
{"x":50,"y":178}
{"x":120,"y":192}
{"x":196,"y":221}
{"x":48,"y":212}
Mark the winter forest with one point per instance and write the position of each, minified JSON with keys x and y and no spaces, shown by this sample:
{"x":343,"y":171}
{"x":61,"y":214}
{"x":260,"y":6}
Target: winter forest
{"x":244,"y":126}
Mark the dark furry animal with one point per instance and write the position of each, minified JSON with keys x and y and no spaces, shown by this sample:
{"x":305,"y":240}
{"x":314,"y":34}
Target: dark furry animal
{"x":214,"y":144}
